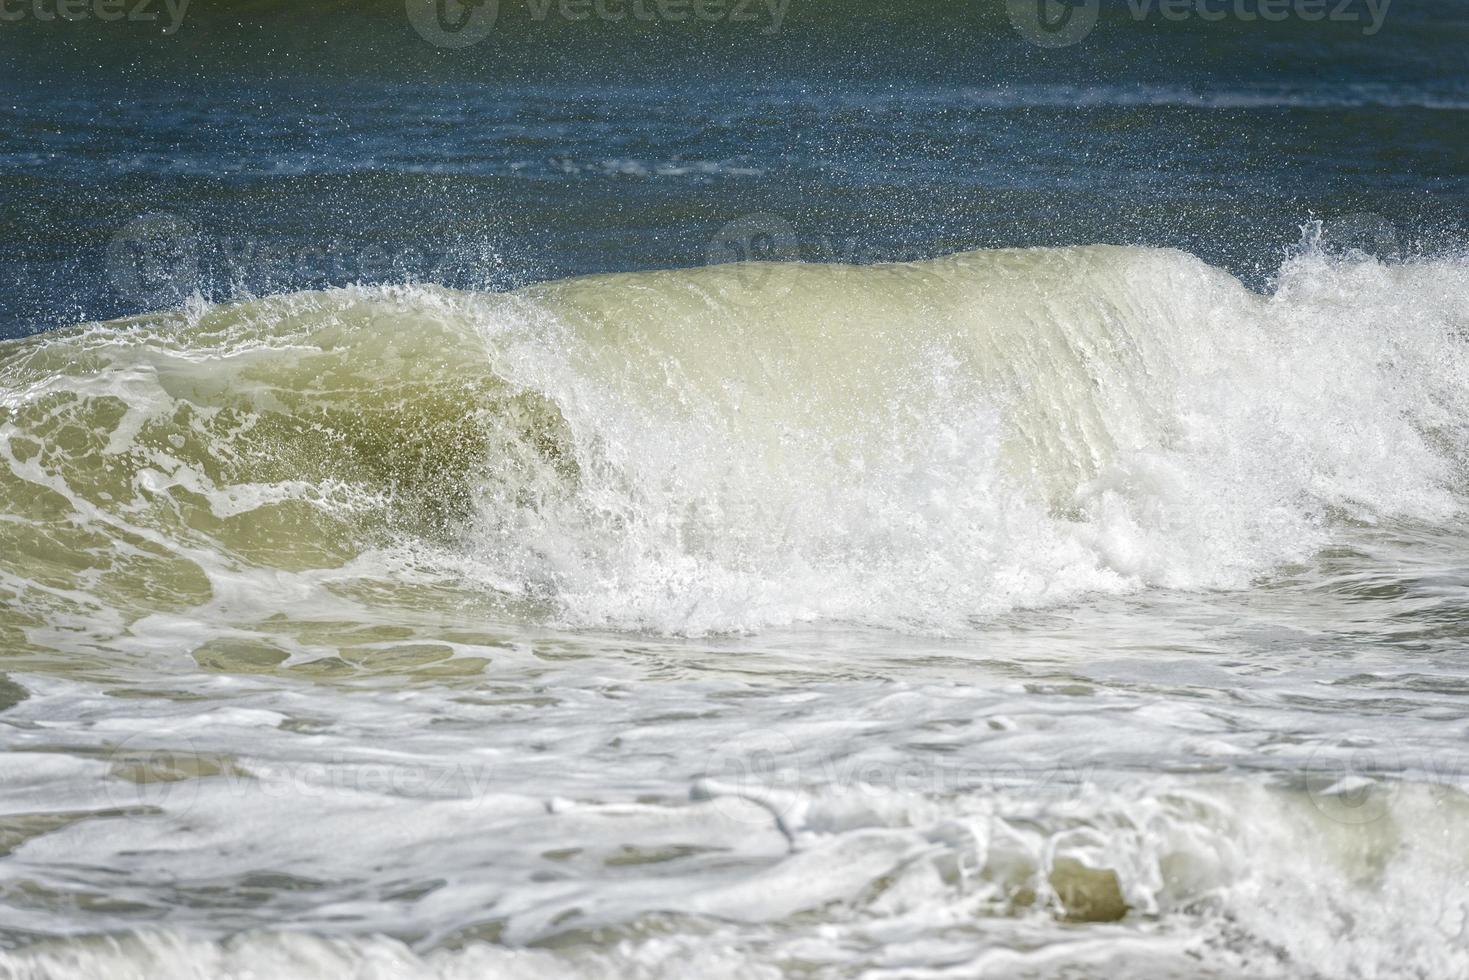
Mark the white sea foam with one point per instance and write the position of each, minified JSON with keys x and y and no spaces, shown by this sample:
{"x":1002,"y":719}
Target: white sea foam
{"x":739,"y":447}
{"x":281,"y":582}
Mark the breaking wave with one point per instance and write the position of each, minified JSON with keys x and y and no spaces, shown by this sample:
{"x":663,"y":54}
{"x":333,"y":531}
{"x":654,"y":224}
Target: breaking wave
{"x":728,"y":448}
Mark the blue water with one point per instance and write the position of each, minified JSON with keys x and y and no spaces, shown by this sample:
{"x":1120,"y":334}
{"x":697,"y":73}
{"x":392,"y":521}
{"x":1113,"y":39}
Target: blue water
{"x":322,"y":147}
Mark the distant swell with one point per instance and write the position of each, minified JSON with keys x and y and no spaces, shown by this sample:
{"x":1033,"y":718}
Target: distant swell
{"x":736,"y":447}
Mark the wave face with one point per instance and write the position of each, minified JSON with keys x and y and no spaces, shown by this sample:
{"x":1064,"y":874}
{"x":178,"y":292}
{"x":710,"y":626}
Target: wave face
{"x":728,"y":448}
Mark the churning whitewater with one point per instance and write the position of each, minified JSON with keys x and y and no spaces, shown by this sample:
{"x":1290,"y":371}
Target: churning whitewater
{"x":1025,"y":613}
{"x":736,"y":447}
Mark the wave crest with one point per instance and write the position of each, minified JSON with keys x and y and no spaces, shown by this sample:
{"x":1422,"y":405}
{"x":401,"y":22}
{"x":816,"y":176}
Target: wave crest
{"x":740,"y":446}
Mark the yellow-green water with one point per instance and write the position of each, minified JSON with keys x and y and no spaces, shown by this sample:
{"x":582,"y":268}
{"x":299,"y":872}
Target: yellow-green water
{"x":1023,"y":611}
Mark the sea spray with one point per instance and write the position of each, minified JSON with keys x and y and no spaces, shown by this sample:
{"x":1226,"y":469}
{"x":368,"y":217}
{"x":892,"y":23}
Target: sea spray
{"x":724,"y":449}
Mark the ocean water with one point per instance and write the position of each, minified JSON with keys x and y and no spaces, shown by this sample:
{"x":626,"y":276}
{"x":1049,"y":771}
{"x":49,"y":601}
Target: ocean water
{"x":867,"y":495}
